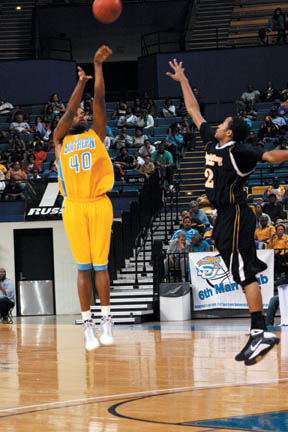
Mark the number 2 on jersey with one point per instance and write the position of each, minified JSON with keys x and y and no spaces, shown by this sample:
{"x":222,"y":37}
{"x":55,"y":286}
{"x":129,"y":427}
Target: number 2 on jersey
{"x":209,"y":175}
{"x":84,"y":164}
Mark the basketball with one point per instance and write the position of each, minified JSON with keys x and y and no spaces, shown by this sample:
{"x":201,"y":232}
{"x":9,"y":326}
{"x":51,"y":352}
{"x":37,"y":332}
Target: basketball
{"x":107,"y":11}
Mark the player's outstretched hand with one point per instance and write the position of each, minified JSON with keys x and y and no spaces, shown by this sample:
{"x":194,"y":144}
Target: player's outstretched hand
{"x":82,"y":75}
{"x":102,"y":54}
{"x":178,"y":70}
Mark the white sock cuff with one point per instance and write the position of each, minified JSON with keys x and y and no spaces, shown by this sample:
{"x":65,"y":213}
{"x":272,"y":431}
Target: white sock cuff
{"x":86,"y":315}
{"x":105,"y":310}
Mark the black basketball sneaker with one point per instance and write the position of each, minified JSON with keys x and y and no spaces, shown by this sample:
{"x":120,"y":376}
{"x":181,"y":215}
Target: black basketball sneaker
{"x":259,"y":344}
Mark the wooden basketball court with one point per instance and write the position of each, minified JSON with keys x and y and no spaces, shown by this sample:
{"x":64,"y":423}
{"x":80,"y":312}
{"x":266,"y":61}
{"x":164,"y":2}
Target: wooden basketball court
{"x":164,"y":377}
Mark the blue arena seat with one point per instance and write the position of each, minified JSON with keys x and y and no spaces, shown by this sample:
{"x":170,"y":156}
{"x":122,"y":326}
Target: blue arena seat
{"x":50,"y":157}
{"x":45,"y":166}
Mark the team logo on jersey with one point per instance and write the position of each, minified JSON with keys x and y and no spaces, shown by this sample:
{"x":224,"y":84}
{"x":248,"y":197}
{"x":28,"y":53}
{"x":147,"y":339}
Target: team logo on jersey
{"x":208,"y":267}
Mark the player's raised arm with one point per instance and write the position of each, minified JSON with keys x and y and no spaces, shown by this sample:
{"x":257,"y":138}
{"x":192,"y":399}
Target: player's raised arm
{"x":275,"y":156}
{"x":191,"y":103}
{"x":66,"y":120}
{"x":99,"y":108}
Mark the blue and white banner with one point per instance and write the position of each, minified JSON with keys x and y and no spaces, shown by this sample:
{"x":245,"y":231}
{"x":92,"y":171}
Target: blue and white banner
{"x":213,"y":286}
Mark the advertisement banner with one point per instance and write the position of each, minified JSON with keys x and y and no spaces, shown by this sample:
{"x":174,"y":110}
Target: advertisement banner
{"x":43,"y":200}
{"x":213,"y":286}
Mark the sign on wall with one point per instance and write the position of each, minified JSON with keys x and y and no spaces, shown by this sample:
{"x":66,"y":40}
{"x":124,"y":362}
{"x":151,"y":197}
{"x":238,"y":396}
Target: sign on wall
{"x":213,"y":286}
{"x":45,"y":204}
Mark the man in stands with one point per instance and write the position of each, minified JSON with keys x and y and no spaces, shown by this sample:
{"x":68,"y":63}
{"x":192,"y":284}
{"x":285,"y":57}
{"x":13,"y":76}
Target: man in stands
{"x":198,"y":244}
{"x":147,"y":168}
{"x":264,"y":232}
{"x":7,"y":295}
{"x":187,"y":230}
{"x":198,"y":217}
{"x":163,"y":160}
{"x":19,"y":125}
{"x":177,"y":252}
{"x":147,"y":149}
{"x":273,"y":208}
{"x":228,"y":164}
{"x":250,"y":96}
{"x":123,"y":140}
{"x":259,"y":213}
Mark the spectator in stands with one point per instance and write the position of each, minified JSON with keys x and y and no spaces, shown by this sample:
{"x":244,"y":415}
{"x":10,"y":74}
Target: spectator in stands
{"x":28,"y":163}
{"x":4,"y":137}
{"x":171,"y":148}
{"x":19,"y":125}
{"x":139,"y":138}
{"x":182,"y":110}
{"x":250,"y":96}
{"x":124,"y":160}
{"x":17,"y":174}
{"x":147,"y":149}
{"x":123,"y":140}
{"x":39,"y":126}
{"x":281,"y":144}
{"x":148,"y":120}
{"x":276,"y":189}
{"x":137,"y":104}
{"x":198,"y":244}
{"x":7,"y":295}
{"x":199,"y":100}
{"x":86,"y":105}
{"x":13,"y":191}
{"x":253,"y":140}
{"x":17,"y":154}
{"x":268,"y":129}
{"x":48,"y":115}
{"x":52,"y":172}
{"x":175,"y":138}
{"x":36,"y":140}
{"x":198,"y":218}
{"x":187,"y":229}
{"x":35,"y":175}
{"x":138,"y":160}
{"x":183,"y":214}
{"x":168,"y":109}
{"x":120,"y":112}
{"x":177,"y":259}
{"x":152,"y":108}
{"x":5,"y":107}
{"x":2,"y":184}
{"x":278,"y":120}
{"x":163,"y":160}
{"x":274,"y":209}
{"x":277,"y":23}
{"x":246,"y":118}
{"x":40,"y":156}
{"x":264,"y":232}
{"x":269,"y":93}
{"x":56,"y":104}
{"x":188,"y":135}
{"x":148,"y":168}
{"x":259,"y":213}
{"x":279,"y":239}
{"x":16,"y":110}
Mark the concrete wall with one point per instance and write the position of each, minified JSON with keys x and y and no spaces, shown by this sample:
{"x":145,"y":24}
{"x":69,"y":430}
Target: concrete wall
{"x":65,"y":270}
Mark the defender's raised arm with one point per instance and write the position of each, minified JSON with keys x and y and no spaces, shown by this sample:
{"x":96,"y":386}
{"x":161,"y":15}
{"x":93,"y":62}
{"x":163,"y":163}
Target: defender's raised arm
{"x":191,"y":103}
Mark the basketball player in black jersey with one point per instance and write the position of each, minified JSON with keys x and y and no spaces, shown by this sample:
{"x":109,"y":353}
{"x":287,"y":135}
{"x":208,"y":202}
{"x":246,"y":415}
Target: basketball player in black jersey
{"x":228,"y":164}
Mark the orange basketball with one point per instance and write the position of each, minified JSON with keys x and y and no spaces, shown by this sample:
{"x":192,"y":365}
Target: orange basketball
{"x":107,"y":11}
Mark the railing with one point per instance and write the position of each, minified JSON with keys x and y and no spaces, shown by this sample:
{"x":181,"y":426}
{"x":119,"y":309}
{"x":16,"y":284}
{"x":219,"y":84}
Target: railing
{"x":161,"y":42}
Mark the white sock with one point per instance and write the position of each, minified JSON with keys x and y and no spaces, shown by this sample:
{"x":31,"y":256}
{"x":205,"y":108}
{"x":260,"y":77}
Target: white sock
{"x":105,"y":310}
{"x":86,"y":315}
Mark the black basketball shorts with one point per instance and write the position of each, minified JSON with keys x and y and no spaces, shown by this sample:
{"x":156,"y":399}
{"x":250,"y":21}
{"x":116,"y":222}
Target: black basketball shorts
{"x":233,"y":235}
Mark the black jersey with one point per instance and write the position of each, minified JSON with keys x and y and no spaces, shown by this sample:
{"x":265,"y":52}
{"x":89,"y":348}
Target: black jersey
{"x":227,"y":168}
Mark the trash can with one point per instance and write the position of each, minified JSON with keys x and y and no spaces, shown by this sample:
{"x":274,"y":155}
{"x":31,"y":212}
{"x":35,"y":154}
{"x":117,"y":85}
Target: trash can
{"x":36,"y":297}
{"x":175,"y":301}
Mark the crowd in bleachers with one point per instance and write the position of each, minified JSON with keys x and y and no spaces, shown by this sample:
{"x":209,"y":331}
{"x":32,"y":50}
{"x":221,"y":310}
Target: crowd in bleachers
{"x":143,"y":137}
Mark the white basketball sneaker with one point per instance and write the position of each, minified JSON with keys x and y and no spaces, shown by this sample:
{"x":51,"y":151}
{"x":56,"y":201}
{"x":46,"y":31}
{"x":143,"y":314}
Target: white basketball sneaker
{"x":90,"y":338}
{"x":106,"y":335}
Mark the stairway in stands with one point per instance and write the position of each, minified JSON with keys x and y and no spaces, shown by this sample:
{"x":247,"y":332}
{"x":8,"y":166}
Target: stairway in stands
{"x":211,"y":17}
{"x":132,"y":303}
{"x":191,"y":174}
{"x":15,"y":29}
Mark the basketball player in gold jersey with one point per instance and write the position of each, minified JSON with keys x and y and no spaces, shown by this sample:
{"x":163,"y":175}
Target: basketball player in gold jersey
{"x":85,"y":174}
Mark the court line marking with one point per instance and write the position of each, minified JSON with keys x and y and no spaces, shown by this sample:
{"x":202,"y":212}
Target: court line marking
{"x":145,"y":392}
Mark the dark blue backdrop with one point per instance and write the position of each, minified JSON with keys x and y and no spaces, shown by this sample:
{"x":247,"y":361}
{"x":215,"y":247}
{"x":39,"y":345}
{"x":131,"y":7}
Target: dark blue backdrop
{"x":33,"y":81}
{"x":219,"y":74}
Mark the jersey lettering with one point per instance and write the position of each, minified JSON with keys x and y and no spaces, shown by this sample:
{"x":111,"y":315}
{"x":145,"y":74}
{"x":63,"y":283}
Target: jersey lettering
{"x":211,"y":159}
